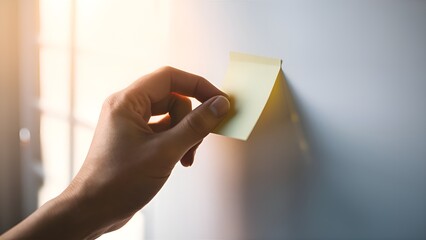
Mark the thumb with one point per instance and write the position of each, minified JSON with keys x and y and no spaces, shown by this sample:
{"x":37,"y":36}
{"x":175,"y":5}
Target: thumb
{"x":198,"y":123}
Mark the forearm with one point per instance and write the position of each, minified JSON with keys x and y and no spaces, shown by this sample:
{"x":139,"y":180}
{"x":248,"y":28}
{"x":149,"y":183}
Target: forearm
{"x":61,"y":218}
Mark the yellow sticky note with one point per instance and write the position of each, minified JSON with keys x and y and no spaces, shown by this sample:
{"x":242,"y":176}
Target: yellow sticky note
{"x":249,"y":82}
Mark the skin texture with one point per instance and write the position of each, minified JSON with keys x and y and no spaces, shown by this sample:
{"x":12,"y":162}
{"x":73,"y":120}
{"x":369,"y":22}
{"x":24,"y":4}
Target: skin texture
{"x":129,"y":159}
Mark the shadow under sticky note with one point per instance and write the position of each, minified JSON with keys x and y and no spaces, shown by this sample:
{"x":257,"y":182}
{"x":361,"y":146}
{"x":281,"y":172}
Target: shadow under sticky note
{"x":248,"y":82}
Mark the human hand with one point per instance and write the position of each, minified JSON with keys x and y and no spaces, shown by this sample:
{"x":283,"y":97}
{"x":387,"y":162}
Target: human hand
{"x":130,"y":159}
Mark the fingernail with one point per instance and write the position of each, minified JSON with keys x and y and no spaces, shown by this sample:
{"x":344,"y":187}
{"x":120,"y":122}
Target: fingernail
{"x":220,"y":106}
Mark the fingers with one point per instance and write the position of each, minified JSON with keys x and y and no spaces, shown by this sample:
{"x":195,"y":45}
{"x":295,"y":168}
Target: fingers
{"x":188,"y":159}
{"x":197,"y":124}
{"x":158,"y":85}
{"x":164,"y":91}
{"x":176,"y":106}
{"x":162,"y":125}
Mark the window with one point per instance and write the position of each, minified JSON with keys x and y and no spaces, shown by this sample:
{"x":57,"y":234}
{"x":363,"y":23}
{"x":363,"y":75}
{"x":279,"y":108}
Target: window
{"x":88,"y":50}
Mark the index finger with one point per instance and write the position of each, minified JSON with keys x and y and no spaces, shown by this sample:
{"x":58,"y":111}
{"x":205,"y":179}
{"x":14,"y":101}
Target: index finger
{"x":166,"y":80}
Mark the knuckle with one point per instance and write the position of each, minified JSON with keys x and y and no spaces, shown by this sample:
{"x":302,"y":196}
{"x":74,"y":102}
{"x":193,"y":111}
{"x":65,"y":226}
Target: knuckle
{"x":116,"y":101}
{"x":111,"y":102}
{"x":166,"y":69}
{"x":186,"y":102}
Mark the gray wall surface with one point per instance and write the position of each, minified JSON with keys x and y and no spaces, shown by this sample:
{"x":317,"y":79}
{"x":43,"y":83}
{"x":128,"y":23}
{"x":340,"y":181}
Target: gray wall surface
{"x":357,"y":73}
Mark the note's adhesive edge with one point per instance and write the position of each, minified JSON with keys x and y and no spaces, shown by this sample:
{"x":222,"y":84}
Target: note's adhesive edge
{"x":243,"y":57}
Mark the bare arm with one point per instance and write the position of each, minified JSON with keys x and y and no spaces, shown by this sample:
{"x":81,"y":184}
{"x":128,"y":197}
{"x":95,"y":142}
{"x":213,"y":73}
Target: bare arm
{"x":129,"y":159}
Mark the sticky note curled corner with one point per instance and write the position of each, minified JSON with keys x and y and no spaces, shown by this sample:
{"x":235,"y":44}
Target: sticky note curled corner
{"x":249,"y":81}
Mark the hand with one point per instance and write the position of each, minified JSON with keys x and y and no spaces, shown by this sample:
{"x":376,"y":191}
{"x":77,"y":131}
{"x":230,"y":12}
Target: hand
{"x":129,"y":159}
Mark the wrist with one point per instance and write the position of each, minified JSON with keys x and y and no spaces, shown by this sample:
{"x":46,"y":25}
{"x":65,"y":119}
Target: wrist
{"x":59,"y":218}
{"x":81,"y":216}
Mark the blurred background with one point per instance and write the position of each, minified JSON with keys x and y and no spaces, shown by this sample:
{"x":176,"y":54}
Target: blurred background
{"x":338,"y":153}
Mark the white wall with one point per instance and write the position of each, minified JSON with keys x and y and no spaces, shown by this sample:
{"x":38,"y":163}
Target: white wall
{"x":357,"y":71}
